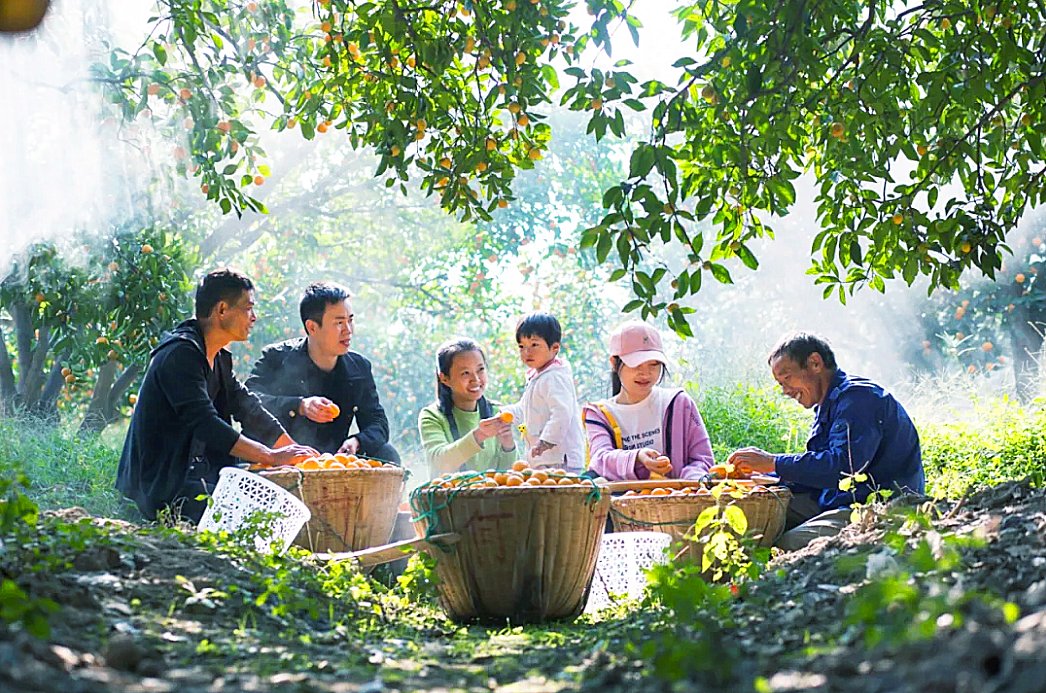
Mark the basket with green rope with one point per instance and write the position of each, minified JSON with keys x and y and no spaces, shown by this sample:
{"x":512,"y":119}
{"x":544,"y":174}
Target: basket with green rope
{"x":527,"y":551}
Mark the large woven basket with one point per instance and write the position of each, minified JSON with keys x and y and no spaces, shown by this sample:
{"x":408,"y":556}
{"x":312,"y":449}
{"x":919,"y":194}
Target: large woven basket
{"x":352,"y":509}
{"x":765,"y":510}
{"x":526,"y":555}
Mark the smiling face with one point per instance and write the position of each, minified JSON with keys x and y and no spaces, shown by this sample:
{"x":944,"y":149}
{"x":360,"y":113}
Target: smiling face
{"x":466,"y":378}
{"x":637,"y":383}
{"x":333,"y":336}
{"x":807,"y":384}
{"x":237,"y":318}
{"x":535,"y":352}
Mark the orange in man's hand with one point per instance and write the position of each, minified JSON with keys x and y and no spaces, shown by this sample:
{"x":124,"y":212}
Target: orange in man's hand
{"x":334,"y":410}
{"x":506,"y":416}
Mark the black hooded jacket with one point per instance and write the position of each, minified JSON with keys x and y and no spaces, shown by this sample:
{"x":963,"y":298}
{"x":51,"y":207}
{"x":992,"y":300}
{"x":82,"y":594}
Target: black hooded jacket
{"x":285,"y":374}
{"x":184,"y":411}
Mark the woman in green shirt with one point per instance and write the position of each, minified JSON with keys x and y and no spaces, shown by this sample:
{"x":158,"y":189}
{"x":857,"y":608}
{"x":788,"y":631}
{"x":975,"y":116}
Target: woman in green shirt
{"x":461,"y":407}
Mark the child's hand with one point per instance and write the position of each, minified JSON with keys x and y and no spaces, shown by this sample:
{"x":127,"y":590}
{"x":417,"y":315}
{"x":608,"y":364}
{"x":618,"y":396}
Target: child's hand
{"x":541,"y":448}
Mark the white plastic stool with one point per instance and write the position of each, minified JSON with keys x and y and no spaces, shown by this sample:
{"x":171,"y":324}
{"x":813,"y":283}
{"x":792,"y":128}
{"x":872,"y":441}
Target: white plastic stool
{"x":621,"y":567}
{"x":240,"y":494}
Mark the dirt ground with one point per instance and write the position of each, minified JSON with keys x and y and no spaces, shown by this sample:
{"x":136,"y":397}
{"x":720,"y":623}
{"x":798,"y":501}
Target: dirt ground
{"x":140,"y":614}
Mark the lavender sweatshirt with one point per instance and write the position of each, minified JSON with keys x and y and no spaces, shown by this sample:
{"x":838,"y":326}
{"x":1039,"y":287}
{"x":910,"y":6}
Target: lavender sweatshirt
{"x":688,"y":447}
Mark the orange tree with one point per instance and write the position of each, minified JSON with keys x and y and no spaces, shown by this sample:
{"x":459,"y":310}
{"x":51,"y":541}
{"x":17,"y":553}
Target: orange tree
{"x":81,"y":333}
{"x":921,"y":124}
{"x":986,"y":325}
{"x":419,"y":277}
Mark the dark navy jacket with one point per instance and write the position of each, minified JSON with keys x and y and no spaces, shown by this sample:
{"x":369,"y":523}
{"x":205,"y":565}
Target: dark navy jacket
{"x":184,"y":411}
{"x":285,"y":373}
{"x":859,"y":427}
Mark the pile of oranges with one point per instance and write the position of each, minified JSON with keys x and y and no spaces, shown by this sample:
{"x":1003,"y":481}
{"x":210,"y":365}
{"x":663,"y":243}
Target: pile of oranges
{"x":338,"y":461}
{"x":690,"y":491}
{"x":730,"y":471}
{"x":520,"y":474}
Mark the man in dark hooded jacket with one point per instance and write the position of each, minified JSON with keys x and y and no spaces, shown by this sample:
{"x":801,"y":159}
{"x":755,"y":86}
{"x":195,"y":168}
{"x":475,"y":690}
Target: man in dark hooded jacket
{"x":317,"y":387}
{"x":181,"y":435}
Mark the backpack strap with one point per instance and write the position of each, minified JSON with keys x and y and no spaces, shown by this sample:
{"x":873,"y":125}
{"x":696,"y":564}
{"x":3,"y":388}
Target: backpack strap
{"x":610,"y":425}
{"x":668,"y":424}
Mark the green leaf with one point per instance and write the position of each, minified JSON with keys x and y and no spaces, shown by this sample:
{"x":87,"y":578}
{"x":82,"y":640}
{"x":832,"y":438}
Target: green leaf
{"x":160,"y":52}
{"x":721,"y":274}
{"x":736,"y":518}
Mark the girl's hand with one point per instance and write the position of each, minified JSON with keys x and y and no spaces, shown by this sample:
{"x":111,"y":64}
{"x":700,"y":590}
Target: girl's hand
{"x":654,"y":461}
{"x":488,"y":428}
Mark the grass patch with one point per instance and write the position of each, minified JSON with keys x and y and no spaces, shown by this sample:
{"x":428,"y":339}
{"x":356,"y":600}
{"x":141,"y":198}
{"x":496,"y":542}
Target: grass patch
{"x":65,"y":470}
{"x":741,"y":415}
{"x":998,"y":440}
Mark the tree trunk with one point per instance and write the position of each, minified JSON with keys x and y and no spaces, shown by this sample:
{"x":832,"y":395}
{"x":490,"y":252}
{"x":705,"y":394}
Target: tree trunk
{"x":7,"y":379}
{"x":1027,"y":338}
{"x":108,"y":391}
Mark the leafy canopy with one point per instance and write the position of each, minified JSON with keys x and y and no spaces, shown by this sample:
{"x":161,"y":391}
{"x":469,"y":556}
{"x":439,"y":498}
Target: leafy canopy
{"x":921,"y":123}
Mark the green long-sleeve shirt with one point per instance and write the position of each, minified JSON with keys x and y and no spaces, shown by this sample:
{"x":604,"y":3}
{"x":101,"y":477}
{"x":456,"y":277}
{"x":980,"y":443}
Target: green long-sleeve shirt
{"x":444,"y":454}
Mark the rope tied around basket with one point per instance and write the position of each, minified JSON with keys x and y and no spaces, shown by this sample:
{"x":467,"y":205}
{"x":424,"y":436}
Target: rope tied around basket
{"x":425,"y":505}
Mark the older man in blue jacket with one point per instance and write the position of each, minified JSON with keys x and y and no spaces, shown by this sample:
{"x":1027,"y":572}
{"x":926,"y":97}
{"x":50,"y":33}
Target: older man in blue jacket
{"x":859,"y":432}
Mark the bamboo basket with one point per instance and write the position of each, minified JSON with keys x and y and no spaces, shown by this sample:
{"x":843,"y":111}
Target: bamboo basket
{"x":765,"y":509}
{"x":526,"y":555}
{"x":352,"y":509}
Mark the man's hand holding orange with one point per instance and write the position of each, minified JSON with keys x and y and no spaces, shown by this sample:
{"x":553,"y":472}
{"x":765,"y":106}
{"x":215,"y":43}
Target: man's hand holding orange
{"x":319,"y":409}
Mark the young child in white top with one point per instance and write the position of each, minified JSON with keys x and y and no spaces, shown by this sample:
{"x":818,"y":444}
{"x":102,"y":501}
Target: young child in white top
{"x":548,"y":411}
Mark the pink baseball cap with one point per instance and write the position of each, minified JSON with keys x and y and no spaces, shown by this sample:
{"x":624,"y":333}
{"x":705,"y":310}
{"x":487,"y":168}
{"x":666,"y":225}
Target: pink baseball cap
{"x":636,"y":342}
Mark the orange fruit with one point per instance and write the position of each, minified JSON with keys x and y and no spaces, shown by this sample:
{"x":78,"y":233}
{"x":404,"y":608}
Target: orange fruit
{"x":334,"y":464}
{"x":540,"y":475}
{"x":311,"y":463}
{"x":532,"y":482}
{"x":374,"y":463}
{"x":335,"y":410}
{"x":550,"y":482}
{"x":645,"y":492}
{"x":343,"y":458}
{"x":506,"y":416}
{"x":566,"y":482}
{"x":519,"y":466}
{"x":501,"y":478}
{"x":660,"y":491}
{"x":513,"y":480}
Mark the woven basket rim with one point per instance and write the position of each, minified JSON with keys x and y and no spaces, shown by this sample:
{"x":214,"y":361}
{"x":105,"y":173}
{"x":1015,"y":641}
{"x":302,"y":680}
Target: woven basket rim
{"x":724,"y":499}
{"x":505,"y":490}
{"x":370,"y":470}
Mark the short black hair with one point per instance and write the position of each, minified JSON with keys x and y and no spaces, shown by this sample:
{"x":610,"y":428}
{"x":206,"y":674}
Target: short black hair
{"x":799,"y":345}
{"x":317,"y":297}
{"x":220,"y":285}
{"x":542,"y":325}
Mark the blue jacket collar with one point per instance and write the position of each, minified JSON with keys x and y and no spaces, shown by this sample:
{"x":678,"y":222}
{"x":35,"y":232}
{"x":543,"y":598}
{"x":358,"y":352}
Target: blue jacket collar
{"x":838,"y":380}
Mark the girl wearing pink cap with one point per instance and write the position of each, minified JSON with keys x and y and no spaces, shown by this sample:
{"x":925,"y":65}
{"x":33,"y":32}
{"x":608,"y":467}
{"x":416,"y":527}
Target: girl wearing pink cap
{"x":644,"y":430}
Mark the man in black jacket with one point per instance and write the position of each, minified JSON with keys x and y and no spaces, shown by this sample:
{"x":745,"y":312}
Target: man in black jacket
{"x":317,"y":387}
{"x":181,"y":434}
